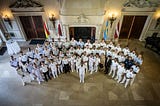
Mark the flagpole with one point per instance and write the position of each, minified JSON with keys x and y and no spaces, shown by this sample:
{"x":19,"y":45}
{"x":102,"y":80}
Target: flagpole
{"x":129,"y":34}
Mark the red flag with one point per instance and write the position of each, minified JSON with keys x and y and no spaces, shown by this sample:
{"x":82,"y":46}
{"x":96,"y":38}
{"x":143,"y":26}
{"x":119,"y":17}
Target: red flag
{"x":46,"y":30}
{"x":59,"y":30}
{"x":116,"y":35}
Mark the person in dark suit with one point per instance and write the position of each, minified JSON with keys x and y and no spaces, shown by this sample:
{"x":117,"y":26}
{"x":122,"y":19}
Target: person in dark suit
{"x":128,"y":63}
{"x":108,"y":62}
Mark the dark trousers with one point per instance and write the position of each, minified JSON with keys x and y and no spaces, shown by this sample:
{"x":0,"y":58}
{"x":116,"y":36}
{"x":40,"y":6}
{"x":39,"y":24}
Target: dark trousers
{"x":107,"y":68}
{"x":66,"y":68}
{"x":46,"y":74}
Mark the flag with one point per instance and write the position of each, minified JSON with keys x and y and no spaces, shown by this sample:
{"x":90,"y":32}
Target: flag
{"x":105,"y":33}
{"x":59,"y":30}
{"x":116,"y":35}
{"x":46,"y":30}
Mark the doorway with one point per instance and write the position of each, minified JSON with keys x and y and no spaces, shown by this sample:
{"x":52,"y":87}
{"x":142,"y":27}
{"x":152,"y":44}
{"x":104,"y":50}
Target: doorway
{"x":84,"y":33}
{"x":33,"y":26}
{"x":132,"y":27}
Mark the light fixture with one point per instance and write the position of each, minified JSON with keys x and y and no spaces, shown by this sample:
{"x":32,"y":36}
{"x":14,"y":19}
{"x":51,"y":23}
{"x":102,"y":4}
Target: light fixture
{"x":112,"y":19}
{"x":7,"y":19}
{"x":52,"y":19}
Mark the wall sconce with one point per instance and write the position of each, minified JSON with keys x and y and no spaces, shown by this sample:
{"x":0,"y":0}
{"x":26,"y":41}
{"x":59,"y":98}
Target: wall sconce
{"x":158,"y":22}
{"x":7,"y":19}
{"x":52,"y":19}
{"x":112,"y":19}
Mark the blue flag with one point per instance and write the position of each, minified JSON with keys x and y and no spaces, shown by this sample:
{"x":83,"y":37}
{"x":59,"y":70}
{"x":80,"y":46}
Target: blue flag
{"x":105,"y":33}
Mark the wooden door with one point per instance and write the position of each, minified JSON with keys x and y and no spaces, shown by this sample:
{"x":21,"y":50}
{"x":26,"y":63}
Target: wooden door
{"x":132,"y":27}
{"x":138,"y":26}
{"x":28,"y":27}
{"x":38,"y":24}
{"x":126,"y":25}
{"x":33,"y":26}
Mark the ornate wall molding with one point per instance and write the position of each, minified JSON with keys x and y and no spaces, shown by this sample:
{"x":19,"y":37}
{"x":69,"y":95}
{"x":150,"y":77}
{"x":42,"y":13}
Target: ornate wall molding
{"x":26,"y":5}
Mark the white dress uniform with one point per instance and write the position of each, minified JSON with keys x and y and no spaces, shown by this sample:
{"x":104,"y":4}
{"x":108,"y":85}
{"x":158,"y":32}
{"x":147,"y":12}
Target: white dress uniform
{"x":81,"y":44}
{"x":30,"y":54}
{"x":79,"y":51}
{"x":46,"y":52}
{"x":81,"y":73}
{"x":59,"y":65}
{"x":109,"y":53}
{"x":126,"y":51}
{"x":114,"y":66}
{"x":78,"y":62}
{"x":85,"y":61}
{"x":39,"y":49}
{"x":120,"y":72}
{"x":36,"y":71}
{"x":23,"y":75}
{"x":118,"y":48}
{"x":139,"y":60}
{"x":97,"y":45}
{"x":127,"y":77}
{"x":89,"y":45}
{"x":91,"y":64}
{"x":101,"y":52}
{"x":73,"y":61}
{"x":73,"y":43}
{"x":87,"y":50}
{"x":97,"y":61}
{"x":136,"y":70}
{"x":103,"y":44}
{"x":53,"y":69}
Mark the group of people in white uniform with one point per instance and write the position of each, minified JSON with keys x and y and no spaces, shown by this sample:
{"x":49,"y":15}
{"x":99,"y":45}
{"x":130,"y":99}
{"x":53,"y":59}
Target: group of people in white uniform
{"x":51,"y":59}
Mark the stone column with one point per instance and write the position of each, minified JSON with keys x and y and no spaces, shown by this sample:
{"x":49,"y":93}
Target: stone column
{"x":98,"y":31}
{"x":67,"y":32}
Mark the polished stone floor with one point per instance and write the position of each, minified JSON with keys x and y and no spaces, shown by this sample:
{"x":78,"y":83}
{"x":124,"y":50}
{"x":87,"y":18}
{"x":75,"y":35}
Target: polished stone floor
{"x":98,"y":89}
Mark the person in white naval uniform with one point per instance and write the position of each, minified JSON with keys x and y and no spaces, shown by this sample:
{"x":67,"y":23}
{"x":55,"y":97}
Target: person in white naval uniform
{"x":53,"y":68}
{"x":97,"y":61}
{"x":85,"y":61}
{"x":136,"y":70}
{"x":80,"y":43}
{"x":37,"y":73}
{"x":23,"y":75}
{"x":44,"y":69}
{"x":127,"y":77}
{"x":81,"y":70}
{"x":88,"y":43}
{"x":91,"y":63}
{"x":114,"y":66}
{"x":120,"y":72}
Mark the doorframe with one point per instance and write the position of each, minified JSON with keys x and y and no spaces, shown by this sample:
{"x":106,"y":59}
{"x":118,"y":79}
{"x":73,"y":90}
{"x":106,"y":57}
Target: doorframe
{"x":19,"y":24}
{"x":146,"y":25}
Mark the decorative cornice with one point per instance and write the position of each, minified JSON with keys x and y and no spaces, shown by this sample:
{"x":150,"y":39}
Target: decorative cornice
{"x":26,"y":5}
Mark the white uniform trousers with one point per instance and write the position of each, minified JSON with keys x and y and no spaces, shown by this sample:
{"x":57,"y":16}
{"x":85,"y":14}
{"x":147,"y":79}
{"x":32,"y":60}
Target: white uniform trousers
{"x":91,"y":68}
{"x":118,"y":77}
{"x":81,"y":76}
{"x":126,"y":81}
{"x":54,"y":73}
{"x":60,"y":69}
{"x":73,"y":67}
{"x":113,"y":70}
{"x":96,"y":67}
{"x":86,"y":67}
{"x":132,"y":80}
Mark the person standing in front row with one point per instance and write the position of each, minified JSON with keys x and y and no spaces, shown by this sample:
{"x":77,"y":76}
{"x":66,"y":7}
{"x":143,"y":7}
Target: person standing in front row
{"x":45,"y":71}
{"x":81,"y":70}
{"x":127,"y":77}
{"x":23,"y":75}
{"x":108,"y":62}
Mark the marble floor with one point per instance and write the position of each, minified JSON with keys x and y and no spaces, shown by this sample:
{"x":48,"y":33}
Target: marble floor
{"x":98,"y":89}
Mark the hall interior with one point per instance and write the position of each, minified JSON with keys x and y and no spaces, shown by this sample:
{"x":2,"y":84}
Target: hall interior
{"x":23,"y":21}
